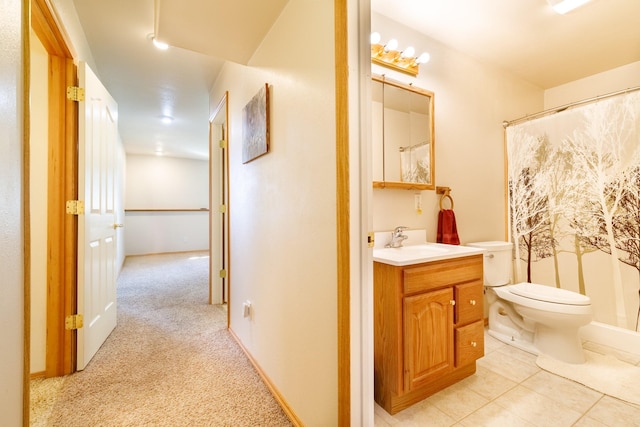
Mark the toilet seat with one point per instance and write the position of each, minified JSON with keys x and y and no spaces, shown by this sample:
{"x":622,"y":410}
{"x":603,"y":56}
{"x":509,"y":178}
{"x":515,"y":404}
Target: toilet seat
{"x":506,"y":294}
{"x":549,"y":294}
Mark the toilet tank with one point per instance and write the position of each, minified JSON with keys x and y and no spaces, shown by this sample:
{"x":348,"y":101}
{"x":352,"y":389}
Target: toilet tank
{"x":497,"y":262}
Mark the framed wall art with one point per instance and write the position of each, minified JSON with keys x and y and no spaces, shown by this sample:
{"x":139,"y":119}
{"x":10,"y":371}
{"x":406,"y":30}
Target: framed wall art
{"x":255,"y":126}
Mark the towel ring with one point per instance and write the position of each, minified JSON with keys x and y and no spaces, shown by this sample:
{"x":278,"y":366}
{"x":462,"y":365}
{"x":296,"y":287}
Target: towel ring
{"x":447,"y":197}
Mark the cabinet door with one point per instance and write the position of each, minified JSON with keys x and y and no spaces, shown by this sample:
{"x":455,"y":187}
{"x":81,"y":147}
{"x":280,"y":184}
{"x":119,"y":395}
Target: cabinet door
{"x":428,"y":337}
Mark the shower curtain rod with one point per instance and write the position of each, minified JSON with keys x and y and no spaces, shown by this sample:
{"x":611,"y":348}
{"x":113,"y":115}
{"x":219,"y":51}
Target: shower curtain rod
{"x":506,"y":123}
{"x":411,"y":147}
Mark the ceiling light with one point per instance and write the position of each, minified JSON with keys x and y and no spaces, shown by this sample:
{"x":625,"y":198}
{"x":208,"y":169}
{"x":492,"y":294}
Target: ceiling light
{"x":564,"y":6}
{"x":166,"y":119}
{"x":160,"y":45}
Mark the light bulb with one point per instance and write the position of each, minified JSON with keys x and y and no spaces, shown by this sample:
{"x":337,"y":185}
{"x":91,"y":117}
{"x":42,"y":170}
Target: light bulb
{"x":391,"y":45}
{"x":375,"y":38}
{"x":408,"y":52}
{"x":423,"y":58}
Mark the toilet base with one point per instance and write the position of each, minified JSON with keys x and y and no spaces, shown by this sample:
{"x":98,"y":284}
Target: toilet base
{"x":514,"y":341}
{"x":564,"y":345}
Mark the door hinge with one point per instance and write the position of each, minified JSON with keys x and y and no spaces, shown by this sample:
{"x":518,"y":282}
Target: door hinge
{"x":371,"y":240}
{"x":75,"y":93}
{"x":73,"y":321}
{"x":75,"y":207}
{"x":223,"y":208}
{"x":223,"y":143}
{"x":223,"y":274}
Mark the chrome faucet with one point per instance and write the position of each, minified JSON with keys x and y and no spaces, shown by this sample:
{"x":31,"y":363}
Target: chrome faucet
{"x":397,"y":237}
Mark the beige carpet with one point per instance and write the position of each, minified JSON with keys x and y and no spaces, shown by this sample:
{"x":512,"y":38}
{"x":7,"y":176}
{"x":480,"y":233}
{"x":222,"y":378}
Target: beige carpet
{"x":169,"y":362}
{"x":603,"y":373}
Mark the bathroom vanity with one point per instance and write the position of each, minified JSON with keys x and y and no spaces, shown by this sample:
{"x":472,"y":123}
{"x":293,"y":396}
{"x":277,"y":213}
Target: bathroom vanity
{"x":428,"y":321}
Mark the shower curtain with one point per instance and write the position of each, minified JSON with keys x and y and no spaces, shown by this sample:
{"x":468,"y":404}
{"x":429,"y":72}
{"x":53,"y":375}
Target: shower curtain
{"x":574,"y":203}
{"x":414,"y":163}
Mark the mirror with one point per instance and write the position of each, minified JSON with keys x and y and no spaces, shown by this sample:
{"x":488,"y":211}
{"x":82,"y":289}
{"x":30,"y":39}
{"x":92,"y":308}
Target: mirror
{"x":402,"y":135}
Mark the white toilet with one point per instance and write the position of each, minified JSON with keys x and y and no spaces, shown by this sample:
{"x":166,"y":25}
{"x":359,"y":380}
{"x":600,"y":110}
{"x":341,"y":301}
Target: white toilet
{"x":535,"y":318}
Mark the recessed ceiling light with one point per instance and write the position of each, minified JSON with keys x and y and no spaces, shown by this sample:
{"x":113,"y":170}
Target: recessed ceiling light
{"x":564,"y":6}
{"x":166,"y":119}
{"x":160,"y":45}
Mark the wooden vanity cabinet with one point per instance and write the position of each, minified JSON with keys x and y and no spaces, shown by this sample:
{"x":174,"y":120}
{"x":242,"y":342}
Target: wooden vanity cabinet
{"x":428,"y":328}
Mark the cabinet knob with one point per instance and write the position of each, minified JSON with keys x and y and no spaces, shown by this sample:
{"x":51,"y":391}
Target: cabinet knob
{"x":474,"y":344}
{"x":472,"y":302}
{"x":452,"y":302}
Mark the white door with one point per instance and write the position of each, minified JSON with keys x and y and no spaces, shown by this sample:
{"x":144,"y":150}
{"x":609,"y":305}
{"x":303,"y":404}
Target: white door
{"x":97,"y":141}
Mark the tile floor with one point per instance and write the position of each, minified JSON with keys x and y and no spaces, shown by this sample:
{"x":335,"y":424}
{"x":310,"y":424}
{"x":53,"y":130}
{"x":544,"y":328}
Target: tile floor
{"x":509,"y":390}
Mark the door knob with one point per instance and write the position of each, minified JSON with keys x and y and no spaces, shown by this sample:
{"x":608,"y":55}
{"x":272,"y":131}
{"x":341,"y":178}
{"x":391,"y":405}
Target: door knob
{"x":117,"y":226}
{"x":472,"y":302}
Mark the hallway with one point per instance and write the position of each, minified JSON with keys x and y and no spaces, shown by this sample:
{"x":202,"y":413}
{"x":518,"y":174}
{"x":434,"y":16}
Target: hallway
{"x":169,"y":362}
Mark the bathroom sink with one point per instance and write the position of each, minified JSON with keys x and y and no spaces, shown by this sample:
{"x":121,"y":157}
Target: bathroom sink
{"x":423,"y":252}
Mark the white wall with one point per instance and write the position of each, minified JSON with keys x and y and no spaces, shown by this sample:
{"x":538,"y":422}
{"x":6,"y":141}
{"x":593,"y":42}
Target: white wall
{"x":620,"y":78}
{"x":39,"y":156}
{"x":175,"y":185}
{"x":472,"y":100}
{"x":283,"y":209}
{"x":12,"y":325}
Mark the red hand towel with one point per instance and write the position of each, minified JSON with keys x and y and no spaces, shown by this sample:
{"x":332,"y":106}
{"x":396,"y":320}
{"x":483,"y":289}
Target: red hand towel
{"x":447,"y":229}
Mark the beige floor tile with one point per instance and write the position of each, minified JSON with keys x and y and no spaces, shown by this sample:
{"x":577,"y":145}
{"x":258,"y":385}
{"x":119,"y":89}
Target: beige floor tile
{"x":613,"y":412}
{"x":493,"y":415}
{"x":457,"y":401}
{"x":491,"y":343}
{"x":510,"y":390}
{"x":538,"y":409}
{"x":423,"y":414}
{"x":572,"y":394}
{"x":511,"y":363}
{"x":487,"y":383}
{"x":588,"y":422}
{"x":379,"y":421}
{"x":384,"y":416}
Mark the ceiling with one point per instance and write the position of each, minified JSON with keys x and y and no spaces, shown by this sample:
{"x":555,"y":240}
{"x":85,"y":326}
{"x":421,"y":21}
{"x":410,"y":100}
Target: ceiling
{"x":525,"y":37}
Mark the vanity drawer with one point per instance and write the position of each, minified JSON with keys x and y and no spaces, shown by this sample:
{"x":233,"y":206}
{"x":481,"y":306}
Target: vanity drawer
{"x":469,"y":343}
{"x":469,"y":299}
{"x":437,"y":274}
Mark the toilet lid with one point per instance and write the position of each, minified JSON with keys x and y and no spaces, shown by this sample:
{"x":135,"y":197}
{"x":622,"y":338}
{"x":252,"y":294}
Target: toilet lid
{"x":549,"y":294}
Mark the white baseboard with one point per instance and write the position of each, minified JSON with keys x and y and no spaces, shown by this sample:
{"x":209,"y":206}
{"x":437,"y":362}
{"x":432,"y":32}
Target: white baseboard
{"x":612,"y":336}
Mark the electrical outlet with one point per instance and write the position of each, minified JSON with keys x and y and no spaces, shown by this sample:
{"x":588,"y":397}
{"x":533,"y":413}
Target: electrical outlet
{"x":246,"y":307}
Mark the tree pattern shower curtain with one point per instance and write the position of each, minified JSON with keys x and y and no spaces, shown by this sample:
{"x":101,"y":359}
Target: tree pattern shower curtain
{"x":574,"y":202}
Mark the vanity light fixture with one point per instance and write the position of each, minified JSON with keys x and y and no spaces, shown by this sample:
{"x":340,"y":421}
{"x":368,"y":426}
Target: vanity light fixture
{"x":564,"y":6}
{"x":388,"y":55}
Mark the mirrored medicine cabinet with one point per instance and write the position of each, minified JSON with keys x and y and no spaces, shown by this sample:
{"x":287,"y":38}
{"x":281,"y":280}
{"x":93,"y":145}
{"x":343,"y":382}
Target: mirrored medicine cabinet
{"x":402,"y":135}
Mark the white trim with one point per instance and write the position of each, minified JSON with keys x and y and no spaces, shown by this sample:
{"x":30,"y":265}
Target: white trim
{"x":612,"y":336}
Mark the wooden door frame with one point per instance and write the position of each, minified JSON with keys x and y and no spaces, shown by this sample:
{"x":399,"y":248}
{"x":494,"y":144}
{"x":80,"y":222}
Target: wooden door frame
{"x":214,"y":204}
{"x":62,"y":185}
{"x":343,"y":249}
